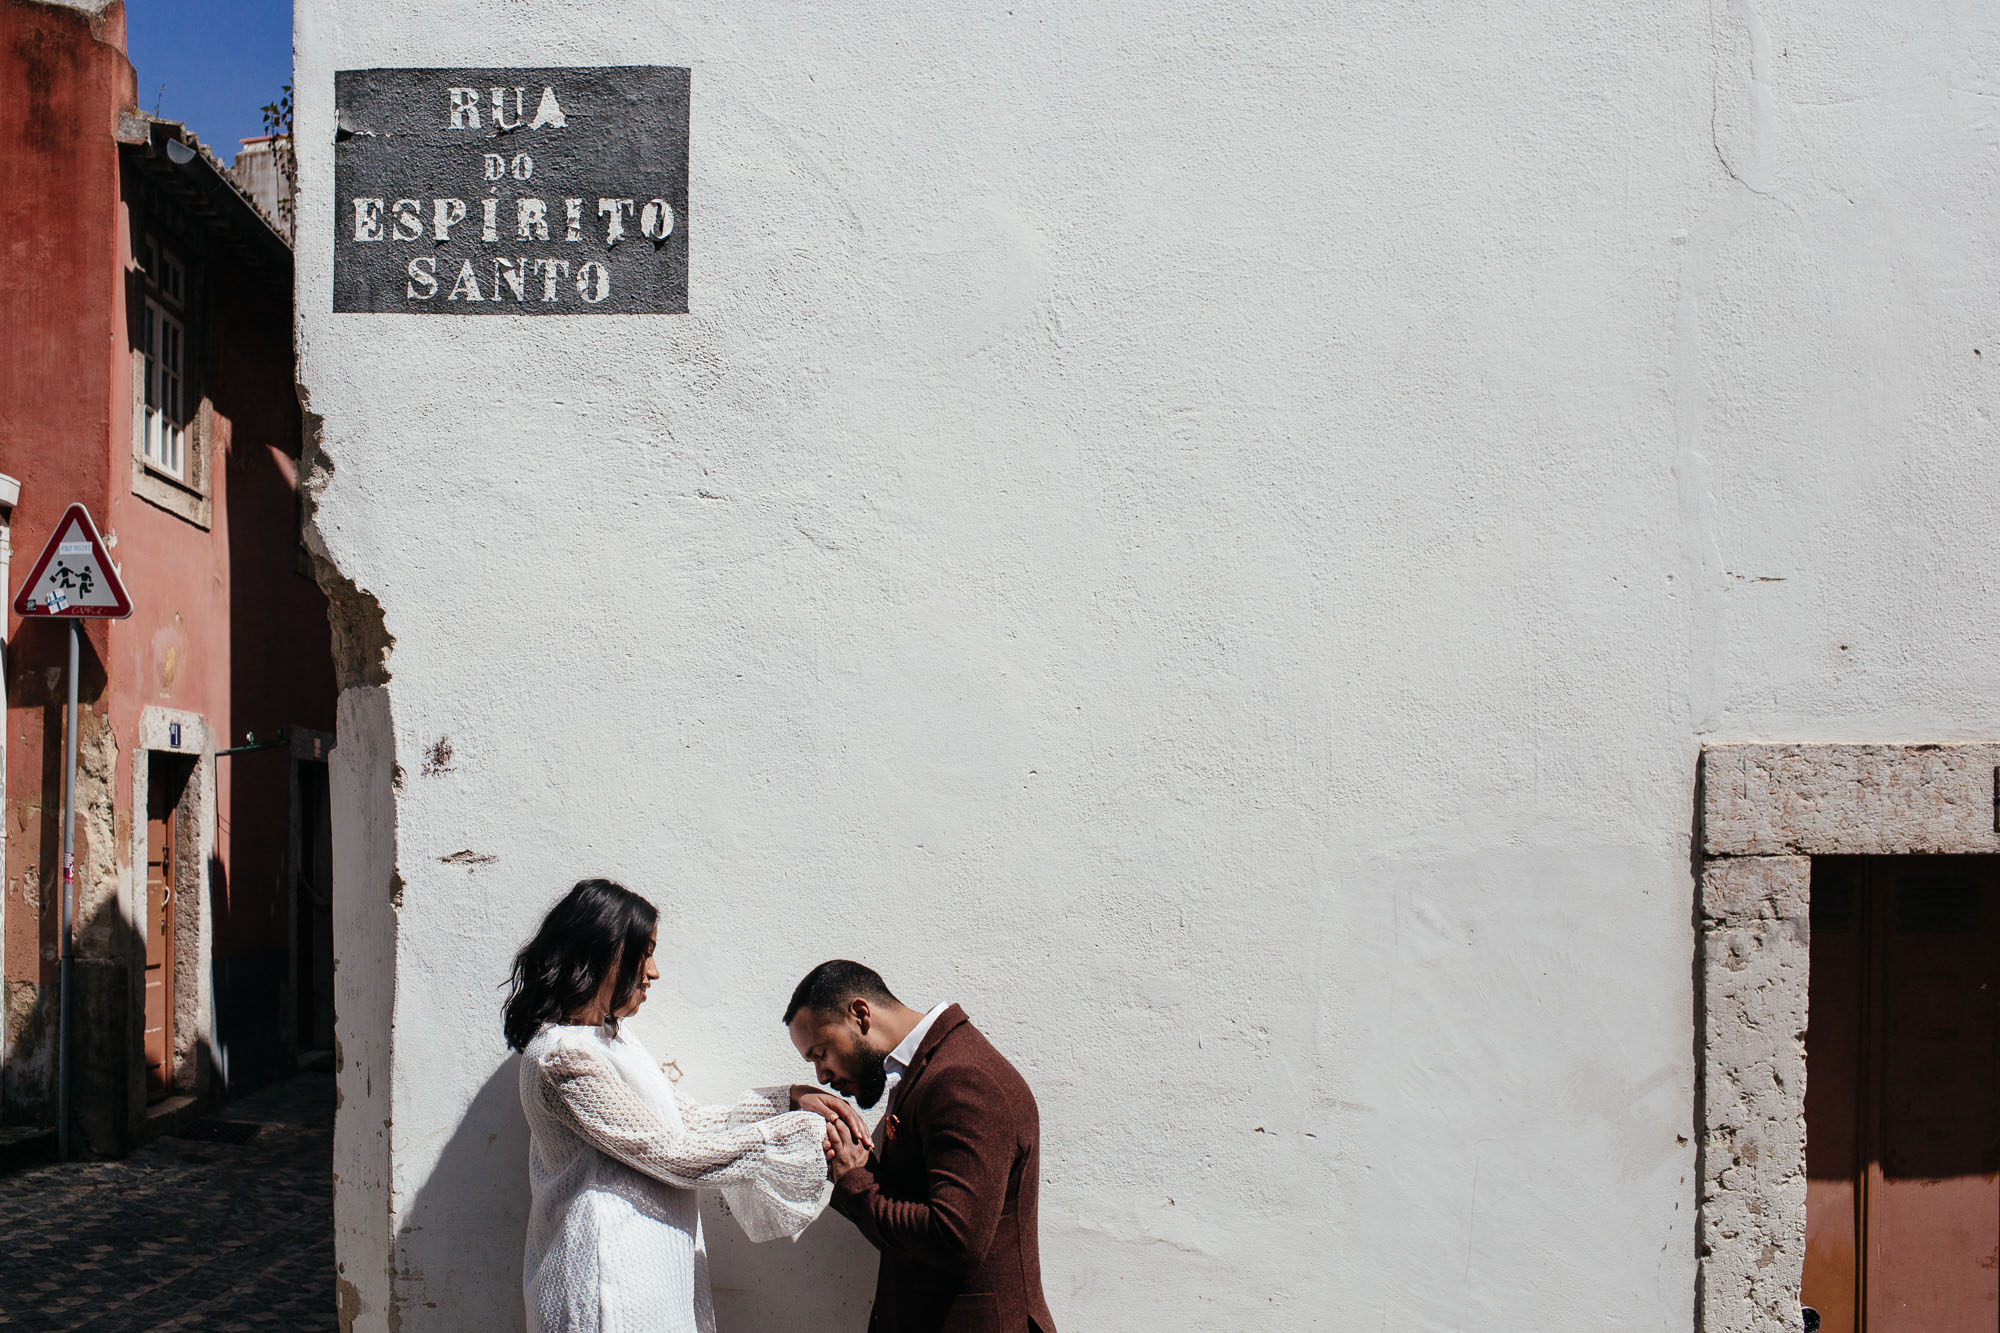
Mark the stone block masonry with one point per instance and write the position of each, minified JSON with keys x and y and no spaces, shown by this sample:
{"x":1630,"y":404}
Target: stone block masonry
{"x":1765,"y":811}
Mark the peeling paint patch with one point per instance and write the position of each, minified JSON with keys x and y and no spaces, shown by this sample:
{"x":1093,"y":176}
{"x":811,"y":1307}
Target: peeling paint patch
{"x":468,"y":857}
{"x":349,"y":1304}
{"x":438,"y":758}
{"x":361,"y":639}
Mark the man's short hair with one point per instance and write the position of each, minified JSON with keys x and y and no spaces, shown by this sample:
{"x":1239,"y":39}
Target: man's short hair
{"x":828,"y":988}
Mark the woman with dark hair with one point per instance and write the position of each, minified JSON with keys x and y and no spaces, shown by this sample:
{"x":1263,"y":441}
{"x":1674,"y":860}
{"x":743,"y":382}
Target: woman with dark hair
{"x":614,"y":1234}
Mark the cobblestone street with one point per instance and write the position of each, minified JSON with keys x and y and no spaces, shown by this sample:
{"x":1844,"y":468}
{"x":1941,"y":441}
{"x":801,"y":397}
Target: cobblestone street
{"x":189,"y":1232}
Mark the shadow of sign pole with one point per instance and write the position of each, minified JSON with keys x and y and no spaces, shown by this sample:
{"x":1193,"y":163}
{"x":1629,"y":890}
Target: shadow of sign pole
{"x":73,"y":578}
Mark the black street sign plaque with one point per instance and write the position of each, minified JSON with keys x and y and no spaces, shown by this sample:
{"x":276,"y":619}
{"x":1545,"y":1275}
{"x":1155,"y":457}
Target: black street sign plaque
{"x":511,"y":191}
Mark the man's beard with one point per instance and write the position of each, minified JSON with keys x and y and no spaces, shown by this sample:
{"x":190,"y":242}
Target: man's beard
{"x":873,"y":1077}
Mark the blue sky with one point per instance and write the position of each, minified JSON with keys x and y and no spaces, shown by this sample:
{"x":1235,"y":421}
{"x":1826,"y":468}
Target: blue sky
{"x":211,"y":63}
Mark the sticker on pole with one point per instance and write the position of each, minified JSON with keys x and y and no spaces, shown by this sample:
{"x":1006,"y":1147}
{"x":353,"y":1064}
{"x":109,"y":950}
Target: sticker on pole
{"x":74,"y":577}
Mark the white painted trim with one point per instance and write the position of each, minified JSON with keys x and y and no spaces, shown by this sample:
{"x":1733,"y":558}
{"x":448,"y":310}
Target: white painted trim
{"x":367,"y":906}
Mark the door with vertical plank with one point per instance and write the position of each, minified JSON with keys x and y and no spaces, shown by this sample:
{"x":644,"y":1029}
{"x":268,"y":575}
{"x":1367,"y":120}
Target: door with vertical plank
{"x":1903,"y":1095}
{"x":166,"y":783}
{"x":1835,"y":1051}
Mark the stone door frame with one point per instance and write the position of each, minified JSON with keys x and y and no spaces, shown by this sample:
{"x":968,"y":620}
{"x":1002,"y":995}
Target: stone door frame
{"x":194,"y":1001}
{"x":1764,"y":812}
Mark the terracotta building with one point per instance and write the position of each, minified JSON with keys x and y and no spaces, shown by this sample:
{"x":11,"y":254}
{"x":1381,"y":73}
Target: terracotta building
{"x":148,"y":374}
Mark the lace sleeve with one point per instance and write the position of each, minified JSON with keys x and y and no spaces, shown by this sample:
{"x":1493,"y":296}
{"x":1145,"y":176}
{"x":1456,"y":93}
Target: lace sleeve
{"x":771,"y":1171}
{"x":754,"y":1105}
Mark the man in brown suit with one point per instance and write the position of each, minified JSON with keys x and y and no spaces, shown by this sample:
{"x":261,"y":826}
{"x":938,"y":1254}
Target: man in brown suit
{"x":947,"y":1192}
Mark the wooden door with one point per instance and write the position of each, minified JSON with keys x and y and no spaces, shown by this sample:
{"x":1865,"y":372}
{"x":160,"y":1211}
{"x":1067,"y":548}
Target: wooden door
{"x":166,"y":782}
{"x":1835,"y":1052}
{"x":1903,"y":1095}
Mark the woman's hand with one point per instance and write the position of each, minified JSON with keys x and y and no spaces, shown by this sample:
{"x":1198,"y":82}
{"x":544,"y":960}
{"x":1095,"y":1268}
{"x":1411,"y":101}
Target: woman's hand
{"x":837,"y":1110}
{"x":844,"y":1152}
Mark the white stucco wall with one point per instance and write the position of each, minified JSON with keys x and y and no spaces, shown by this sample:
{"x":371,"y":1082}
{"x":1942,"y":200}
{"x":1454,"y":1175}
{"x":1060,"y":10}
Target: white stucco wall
{"x":1210,"y":534}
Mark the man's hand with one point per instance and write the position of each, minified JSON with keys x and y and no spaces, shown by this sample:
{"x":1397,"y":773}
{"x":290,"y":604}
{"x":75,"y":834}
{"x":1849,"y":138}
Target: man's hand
{"x":837,"y":1110}
{"x":844,"y":1151}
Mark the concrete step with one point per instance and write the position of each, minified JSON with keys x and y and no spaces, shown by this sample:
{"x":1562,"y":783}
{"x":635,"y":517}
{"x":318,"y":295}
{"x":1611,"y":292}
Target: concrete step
{"x":168,"y":1116}
{"x":26,"y":1145}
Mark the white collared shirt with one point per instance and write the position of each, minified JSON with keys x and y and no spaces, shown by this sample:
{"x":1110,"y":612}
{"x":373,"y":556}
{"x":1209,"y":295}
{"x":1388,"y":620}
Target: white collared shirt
{"x":897,"y":1062}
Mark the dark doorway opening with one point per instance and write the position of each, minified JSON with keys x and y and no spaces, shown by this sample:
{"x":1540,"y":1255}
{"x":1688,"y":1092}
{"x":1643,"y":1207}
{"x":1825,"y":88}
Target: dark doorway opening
{"x":1903,"y":1095}
{"x":313,"y":910}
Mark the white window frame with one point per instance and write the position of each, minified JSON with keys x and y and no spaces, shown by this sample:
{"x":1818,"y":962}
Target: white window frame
{"x":164,"y":349}
{"x":172,"y":278}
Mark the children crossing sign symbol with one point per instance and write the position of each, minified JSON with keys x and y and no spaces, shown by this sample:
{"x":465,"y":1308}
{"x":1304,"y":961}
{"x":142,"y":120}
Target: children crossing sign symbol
{"x":74,"y":577}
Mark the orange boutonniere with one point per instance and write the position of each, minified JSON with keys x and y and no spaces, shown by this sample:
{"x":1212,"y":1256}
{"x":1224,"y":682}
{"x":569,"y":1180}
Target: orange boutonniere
{"x":890,"y":1127}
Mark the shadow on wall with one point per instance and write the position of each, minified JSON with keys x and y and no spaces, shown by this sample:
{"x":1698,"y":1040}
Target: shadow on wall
{"x":248,"y":994}
{"x":479,"y":1187}
{"x":109,"y":1090}
{"x":280,"y":677}
{"x":108,"y":1079}
{"x":825,"y":1280}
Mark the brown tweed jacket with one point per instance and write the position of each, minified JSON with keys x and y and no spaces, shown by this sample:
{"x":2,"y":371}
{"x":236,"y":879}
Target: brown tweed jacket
{"x":950,"y":1195}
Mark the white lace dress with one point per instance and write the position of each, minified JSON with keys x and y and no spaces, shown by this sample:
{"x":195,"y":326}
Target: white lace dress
{"x":615,"y":1157}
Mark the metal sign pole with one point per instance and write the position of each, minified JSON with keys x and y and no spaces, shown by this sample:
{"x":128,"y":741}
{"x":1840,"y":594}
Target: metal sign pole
{"x":74,"y":577}
{"x":68,"y":894}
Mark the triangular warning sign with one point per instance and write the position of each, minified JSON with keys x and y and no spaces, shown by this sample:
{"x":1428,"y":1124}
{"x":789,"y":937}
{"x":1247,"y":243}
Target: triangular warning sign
{"x":74,"y":577}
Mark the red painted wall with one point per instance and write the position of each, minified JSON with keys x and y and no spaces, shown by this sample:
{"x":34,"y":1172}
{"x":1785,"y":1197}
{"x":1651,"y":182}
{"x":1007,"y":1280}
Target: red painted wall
{"x":63,"y":80}
{"x":224,"y":624}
